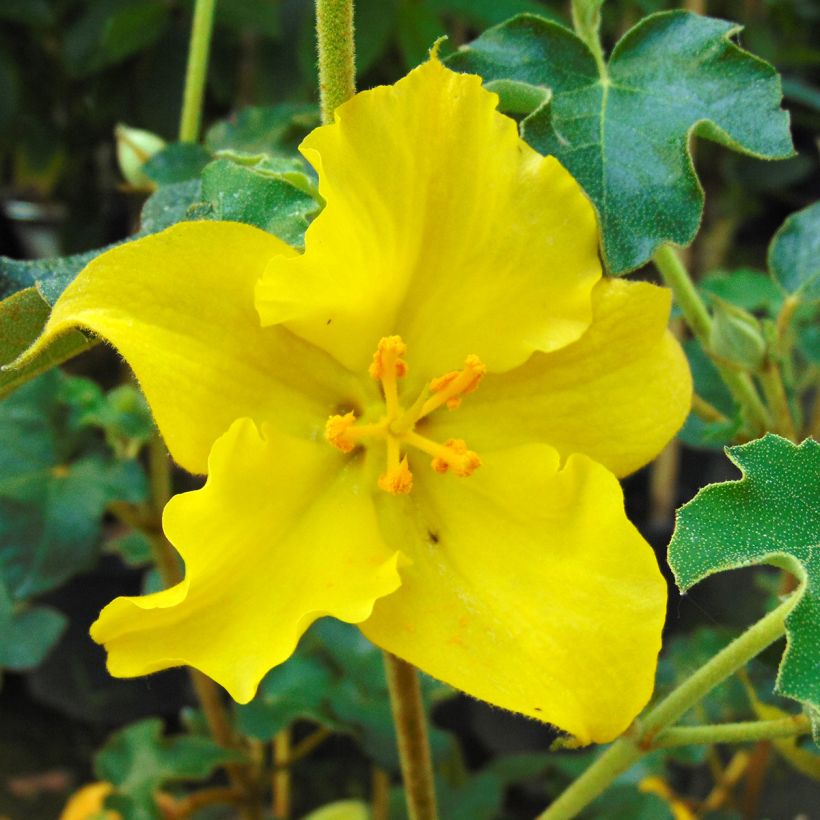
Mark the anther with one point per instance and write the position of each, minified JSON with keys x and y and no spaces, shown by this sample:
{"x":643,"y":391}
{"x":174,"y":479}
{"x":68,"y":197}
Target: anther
{"x":449,"y":388}
{"x":397,"y":480}
{"x":337,"y":431}
{"x":388,"y":357}
{"x":456,"y":457}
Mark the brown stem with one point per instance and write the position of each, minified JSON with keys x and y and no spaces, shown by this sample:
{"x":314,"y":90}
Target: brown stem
{"x":755,"y":778}
{"x":411,"y":730}
{"x":380,"y":789}
{"x":207,"y":797}
{"x":281,"y":775}
{"x":722,"y":792}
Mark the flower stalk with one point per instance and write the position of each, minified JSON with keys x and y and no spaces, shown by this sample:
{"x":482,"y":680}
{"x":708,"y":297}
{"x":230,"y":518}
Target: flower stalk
{"x":646,"y":732}
{"x":745,"y":732}
{"x":337,"y":58}
{"x":741,"y":385}
{"x":198,"y":51}
{"x":411,"y":729}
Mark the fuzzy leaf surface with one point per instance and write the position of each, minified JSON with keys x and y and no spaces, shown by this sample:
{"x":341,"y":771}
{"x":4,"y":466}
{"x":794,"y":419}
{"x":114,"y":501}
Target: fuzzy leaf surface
{"x":794,"y":255}
{"x":22,"y":317}
{"x":770,"y":516}
{"x":623,"y":132}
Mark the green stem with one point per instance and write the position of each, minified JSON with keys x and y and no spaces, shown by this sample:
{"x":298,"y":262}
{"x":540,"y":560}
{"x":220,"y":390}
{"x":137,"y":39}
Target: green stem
{"x":772,"y":381}
{"x":631,"y":747}
{"x":747,"y":732}
{"x":706,"y":411}
{"x":411,"y":731}
{"x":586,"y":20}
{"x":676,"y":277}
{"x":337,"y":59}
{"x":198,"y":49}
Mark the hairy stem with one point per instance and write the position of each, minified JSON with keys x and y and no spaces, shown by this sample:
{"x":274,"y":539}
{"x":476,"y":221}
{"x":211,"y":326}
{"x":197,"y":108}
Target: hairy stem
{"x":740,"y":384}
{"x":772,"y":381}
{"x":746,"y":732}
{"x":198,"y":49}
{"x":337,"y":58}
{"x":631,"y":747}
{"x":411,"y":730}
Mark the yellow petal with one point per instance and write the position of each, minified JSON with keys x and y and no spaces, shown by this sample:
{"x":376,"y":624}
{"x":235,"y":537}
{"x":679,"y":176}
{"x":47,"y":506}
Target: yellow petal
{"x":441,"y":226}
{"x":528,"y":588}
{"x":618,"y":394}
{"x":87,"y":804}
{"x":178,"y":306}
{"x":281,"y":534}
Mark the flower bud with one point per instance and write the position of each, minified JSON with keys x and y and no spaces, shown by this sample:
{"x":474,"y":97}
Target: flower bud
{"x":134,"y":148}
{"x":737,"y":337}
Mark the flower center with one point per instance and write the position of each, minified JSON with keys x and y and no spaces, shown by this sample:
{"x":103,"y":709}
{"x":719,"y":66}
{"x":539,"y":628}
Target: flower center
{"x":397,"y":427}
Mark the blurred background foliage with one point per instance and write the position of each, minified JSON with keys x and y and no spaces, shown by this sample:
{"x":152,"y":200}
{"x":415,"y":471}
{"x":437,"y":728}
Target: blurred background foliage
{"x":78,"y":515}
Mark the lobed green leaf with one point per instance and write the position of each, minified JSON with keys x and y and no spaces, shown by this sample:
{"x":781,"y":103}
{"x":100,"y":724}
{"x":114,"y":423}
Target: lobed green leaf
{"x":138,"y":760}
{"x":56,"y":484}
{"x":770,"y":516}
{"x":623,"y":130}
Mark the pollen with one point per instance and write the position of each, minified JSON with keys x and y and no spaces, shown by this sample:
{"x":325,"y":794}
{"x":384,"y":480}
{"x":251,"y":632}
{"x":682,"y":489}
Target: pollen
{"x":396,"y":427}
{"x":397,"y":480}
{"x":337,"y":429}
{"x":449,"y":388}
{"x":456,"y":457}
{"x":388,"y":360}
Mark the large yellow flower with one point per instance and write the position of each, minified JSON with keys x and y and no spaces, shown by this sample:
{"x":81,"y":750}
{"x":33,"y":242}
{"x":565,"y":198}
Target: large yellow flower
{"x":423,"y":434}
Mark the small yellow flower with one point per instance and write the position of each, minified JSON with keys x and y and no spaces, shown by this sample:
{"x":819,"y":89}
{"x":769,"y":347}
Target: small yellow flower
{"x":422,"y":436}
{"x":87,"y":803}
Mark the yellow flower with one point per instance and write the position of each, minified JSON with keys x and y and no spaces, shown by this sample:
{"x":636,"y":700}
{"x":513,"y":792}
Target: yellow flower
{"x":422,"y":436}
{"x":87,"y":803}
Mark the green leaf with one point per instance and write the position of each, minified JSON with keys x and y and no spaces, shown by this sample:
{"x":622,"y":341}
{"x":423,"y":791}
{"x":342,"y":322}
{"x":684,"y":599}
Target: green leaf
{"x":122,"y":414}
{"x":624,"y":135}
{"x":170,"y":204}
{"x":274,"y":130}
{"x":748,"y":289}
{"x":177,"y":162}
{"x":266,"y":200}
{"x":298,"y":689}
{"x":110,"y":31}
{"x":770,"y":516}
{"x":22,"y":317}
{"x":794,"y":254}
{"x":26,"y":633}
{"x":138,"y":760}
{"x":134,"y":548}
{"x":55,"y":484}
{"x":49,"y":276}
